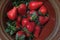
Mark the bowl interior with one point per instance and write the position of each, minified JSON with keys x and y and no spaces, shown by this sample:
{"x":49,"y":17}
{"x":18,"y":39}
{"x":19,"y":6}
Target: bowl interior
{"x":45,"y":31}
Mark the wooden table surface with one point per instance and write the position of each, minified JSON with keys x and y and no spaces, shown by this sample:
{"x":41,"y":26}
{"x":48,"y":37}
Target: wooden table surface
{"x":57,"y":37}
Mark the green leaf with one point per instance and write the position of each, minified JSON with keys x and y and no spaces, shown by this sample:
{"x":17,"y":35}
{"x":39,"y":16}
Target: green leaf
{"x":11,"y":23}
{"x":31,"y":37}
{"x":18,"y":2}
{"x":11,"y":32}
{"x":17,"y":37}
{"x":39,"y":13}
{"x":14,"y":4}
{"x":26,"y":3}
{"x":8,"y":24}
{"x":7,"y":30}
{"x":25,"y":29}
{"x":34,"y":16}
{"x":37,"y":22}
{"x":22,"y":37}
{"x":11,"y":27}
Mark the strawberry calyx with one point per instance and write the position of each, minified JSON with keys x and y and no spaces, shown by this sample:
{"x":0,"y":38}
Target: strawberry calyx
{"x":34,"y":16}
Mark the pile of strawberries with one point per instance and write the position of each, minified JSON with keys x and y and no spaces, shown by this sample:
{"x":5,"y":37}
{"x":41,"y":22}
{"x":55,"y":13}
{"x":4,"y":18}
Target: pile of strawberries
{"x":29,"y":19}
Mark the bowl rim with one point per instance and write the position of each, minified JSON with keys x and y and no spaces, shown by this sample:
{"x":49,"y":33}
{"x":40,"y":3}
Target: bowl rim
{"x":2,"y":29}
{"x":55,"y":31}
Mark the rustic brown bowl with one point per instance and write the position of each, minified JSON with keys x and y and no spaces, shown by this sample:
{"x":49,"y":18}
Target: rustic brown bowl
{"x":47,"y":31}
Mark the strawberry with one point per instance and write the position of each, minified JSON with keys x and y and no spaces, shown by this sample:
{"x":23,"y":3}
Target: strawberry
{"x":37,"y":31}
{"x":43,"y":10}
{"x":18,"y":22}
{"x":20,"y":33}
{"x":17,"y":25}
{"x":25,"y":21}
{"x":43,"y":19}
{"x":34,"y":5}
{"x":28,"y":17}
{"x":33,"y":23}
{"x":12,"y":14}
{"x":22,"y":9}
{"x":19,"y":19}
{"x":30,"y":26}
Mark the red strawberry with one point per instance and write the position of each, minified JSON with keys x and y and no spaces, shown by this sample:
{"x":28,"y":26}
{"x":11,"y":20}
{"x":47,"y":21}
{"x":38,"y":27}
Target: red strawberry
{"x":34,"y":5}
{"x":32,"y":23}
{"x":12,"y":14}
{"x":19,"y":19}
{"x":30,"y":26}
{"x":43,"y":10}
{"x":17,"y":25}
{"x":20,"y":33}
{"x":28,"y":17}
{"x":25,"y":21}
{"x":40,"y":3}
{"x":22,"y":9}
{"x":43,"y":19}
{"x":18,"y":22}
{"x":37,"y":31}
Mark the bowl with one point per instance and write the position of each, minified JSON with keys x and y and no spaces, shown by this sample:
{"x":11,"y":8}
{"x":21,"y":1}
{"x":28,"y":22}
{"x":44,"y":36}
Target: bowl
{"x":47,"y":32}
